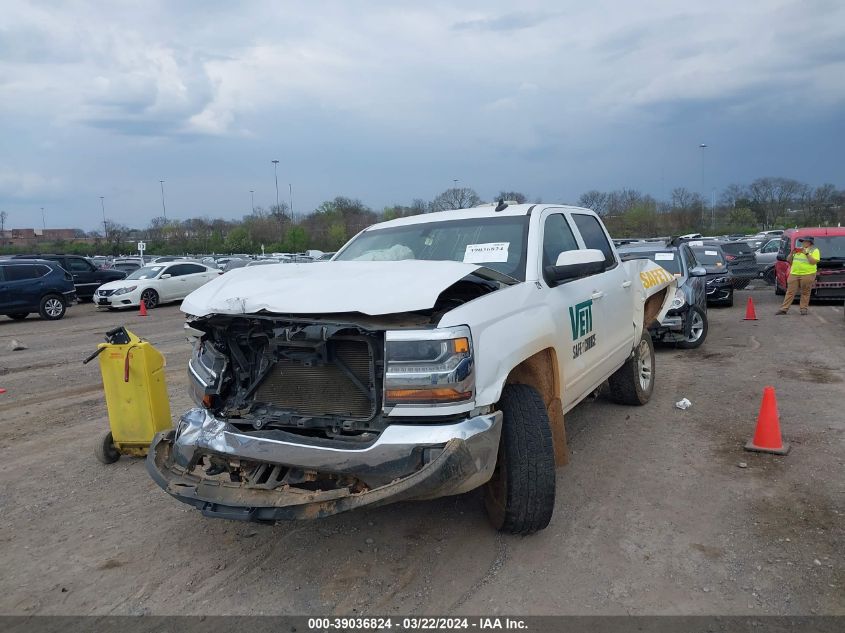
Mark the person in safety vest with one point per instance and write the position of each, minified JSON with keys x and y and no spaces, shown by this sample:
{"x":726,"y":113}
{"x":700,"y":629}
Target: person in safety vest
{"x":802,"y":274}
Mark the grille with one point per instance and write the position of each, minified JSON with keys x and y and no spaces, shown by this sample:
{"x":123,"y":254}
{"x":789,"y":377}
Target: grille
{"x":105,"y":293}
{"x":323,"y":390}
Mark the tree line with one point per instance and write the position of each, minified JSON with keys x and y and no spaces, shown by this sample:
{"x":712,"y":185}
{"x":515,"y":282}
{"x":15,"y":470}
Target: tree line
{"x":763,"y":204}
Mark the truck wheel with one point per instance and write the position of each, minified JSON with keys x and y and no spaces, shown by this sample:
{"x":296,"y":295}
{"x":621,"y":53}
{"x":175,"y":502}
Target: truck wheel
{"x":520,"y":497}
{"x":633,"y":383}
{"x":697,"y":329}
{"x":105,"y":451}
{"x":52,"y":308}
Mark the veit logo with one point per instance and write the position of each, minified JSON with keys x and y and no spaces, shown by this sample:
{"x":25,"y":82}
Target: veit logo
{"x":581,"y":318}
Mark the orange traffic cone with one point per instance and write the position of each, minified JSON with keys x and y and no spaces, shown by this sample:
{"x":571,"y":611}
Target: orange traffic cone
{"x":750,"y":313}
{"x":142,"y":311}
{"x":767,"y":437}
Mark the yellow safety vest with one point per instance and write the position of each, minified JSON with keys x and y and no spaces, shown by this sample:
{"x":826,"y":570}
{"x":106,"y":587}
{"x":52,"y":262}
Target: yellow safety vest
{"x":802,"y":266}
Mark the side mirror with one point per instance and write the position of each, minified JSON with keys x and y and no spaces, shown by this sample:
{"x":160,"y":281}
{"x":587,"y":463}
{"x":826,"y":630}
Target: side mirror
{"x":698,"y":271}
{"x":574,"y":265}
{"x":166,"y":276}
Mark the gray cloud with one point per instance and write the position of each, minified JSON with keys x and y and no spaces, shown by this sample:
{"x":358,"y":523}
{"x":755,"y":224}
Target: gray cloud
{"x":357,"y":98}
{"x":507,"y":22}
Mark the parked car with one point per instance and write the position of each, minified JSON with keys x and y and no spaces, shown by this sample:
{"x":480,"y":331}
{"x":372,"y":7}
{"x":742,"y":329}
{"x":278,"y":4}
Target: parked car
{"x":86,"y":276}
{"x":438,"y":355}
{"x":741,"y":263}
{"x":126,"y":267}
{"x":719,"y":285}
{"x":686,"y":323}
{"x":766,"y":256}
{"x":35,"y":285}
{"x":155,"y":284}
{"x":235,"y":262}
{"x":830,"y":280}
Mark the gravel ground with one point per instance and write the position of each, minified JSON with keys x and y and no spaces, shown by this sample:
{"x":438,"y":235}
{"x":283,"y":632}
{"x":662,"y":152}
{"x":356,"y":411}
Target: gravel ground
{"x":654,"y":513}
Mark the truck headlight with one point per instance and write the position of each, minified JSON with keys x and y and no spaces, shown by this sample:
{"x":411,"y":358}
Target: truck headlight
{"x":679,"y":299}
{"x":124,"y":290}
{"x":718,"y":281}
{"x":429,"y":367}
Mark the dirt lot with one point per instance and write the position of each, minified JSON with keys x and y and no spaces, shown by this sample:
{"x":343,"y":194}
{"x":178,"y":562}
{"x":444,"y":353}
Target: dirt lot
{"x":653,"y":513}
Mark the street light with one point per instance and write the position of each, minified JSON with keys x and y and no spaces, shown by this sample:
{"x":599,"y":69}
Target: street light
{"x":163,"y":208}
{"x":702,"y":147}
{"x":276,"y":175}
{"x":290,"y":200}
{"x":252,"y":200}
{"x":455,"y":180}
{"x":43,"y":221}
{"x":105,"y":229}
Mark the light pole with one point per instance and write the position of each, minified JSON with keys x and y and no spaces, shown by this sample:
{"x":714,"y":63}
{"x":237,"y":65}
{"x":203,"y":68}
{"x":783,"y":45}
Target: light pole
{"x":252,"y":200}
{"x":105,"y":228}
{"x":290,"y":201}
{"x":276,"y":176}
{"x":455,"y":180}
{"x":163,"y":208}
{"x":43,"y":221}
{"x":703,"y":147}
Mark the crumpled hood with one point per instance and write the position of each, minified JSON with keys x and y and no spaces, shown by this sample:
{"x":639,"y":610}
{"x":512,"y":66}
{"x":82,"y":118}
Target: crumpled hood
{"x":366,"y":287}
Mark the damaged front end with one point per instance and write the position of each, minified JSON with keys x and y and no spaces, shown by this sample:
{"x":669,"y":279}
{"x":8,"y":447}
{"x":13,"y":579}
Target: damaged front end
{"x":302,"y":417}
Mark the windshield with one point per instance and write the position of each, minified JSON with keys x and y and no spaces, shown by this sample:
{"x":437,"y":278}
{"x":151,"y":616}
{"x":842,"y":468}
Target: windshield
{"x":709,"y":256}
{"x":147,"y":272}
{"x":831,"y":247}
{"x":497,"y":243}
{"x":665,"y":259}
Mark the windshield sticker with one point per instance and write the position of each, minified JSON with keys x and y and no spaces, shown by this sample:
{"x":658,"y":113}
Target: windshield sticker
{"x":485,"y":253}
{"x":664,"y":257}
{"x":714,"y":253}
{"x":696,"y":243}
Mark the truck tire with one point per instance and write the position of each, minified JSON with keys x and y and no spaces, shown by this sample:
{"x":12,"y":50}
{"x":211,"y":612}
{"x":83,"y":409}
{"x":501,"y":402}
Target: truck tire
{"x":698,"y":329}
{"x":633,"y":383}
{"x":520,"y":497}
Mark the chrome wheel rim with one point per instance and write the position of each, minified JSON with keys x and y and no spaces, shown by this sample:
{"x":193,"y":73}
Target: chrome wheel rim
{"x":53,"y":307}
{"x":645,"y":368}
{"x":696,"y":328}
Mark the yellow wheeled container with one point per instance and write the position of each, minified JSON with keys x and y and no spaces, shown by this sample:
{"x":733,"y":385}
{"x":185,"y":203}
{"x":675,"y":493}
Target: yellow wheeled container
{"x":136,"y":395}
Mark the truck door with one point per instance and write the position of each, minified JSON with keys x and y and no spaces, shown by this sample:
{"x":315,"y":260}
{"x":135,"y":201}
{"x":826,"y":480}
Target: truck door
{"x":574,"y":310}
{"x":84,"y":275}
{"x":615,"y":296}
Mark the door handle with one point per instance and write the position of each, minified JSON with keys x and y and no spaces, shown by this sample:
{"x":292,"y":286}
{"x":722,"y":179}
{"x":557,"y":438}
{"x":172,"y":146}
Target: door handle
{"x":598,"y":294}
{"x":626,"y":284}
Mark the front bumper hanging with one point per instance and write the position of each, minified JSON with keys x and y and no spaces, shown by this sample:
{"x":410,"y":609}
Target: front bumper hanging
{"x":406,"y":461}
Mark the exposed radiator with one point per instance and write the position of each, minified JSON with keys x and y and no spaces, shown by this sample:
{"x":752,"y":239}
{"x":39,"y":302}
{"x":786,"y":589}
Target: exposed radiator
{"x":324,"y":390}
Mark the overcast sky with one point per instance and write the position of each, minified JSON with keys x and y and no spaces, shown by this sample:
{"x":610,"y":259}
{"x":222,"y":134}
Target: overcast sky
{"x":389,"y":101}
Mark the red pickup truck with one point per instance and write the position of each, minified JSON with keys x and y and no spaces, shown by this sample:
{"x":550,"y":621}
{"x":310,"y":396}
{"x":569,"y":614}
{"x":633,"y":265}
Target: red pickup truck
{"x":830,"y":282}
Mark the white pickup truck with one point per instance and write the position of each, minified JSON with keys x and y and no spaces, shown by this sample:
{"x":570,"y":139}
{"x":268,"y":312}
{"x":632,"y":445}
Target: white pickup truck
{"x":433,"y":355}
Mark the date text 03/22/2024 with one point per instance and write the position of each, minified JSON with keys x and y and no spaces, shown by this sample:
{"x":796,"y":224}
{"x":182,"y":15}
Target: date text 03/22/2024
{"x":415,"y":624}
